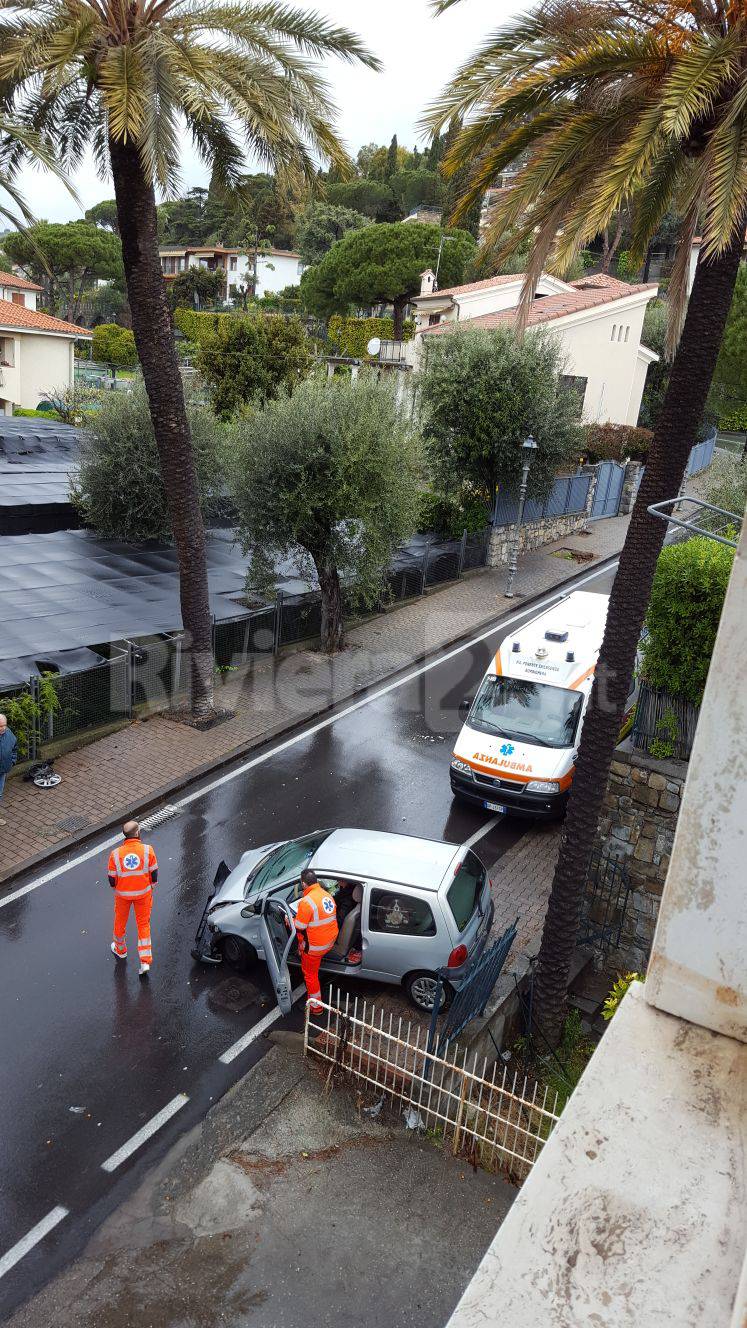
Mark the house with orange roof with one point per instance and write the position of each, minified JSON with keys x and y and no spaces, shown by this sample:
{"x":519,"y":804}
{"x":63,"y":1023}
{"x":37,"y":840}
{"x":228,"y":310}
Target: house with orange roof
{"x":597,"y":320}
{"x":36,"y":350}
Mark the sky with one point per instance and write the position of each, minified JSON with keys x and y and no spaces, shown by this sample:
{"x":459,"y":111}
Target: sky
{"x":419,"y":53}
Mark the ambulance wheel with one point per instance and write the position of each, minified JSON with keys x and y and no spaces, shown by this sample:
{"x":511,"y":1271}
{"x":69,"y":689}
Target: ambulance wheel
{"x":238,"y":953}
{"x":421,"y":989}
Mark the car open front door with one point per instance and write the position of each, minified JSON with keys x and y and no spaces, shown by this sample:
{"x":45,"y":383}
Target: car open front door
{"x":277,"y":935}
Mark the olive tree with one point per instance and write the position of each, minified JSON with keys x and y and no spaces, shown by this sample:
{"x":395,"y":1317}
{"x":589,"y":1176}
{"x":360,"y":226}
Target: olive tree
{"x":119,"y":491}
{"x":481,"y":393}
{"x":329,"y":475}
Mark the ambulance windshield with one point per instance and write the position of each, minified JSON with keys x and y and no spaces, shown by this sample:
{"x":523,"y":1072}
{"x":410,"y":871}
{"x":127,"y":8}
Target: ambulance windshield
{"x":526,"y":711}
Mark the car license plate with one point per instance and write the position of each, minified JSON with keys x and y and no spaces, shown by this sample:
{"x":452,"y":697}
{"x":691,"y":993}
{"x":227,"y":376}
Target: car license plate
{"x":495,"y":807}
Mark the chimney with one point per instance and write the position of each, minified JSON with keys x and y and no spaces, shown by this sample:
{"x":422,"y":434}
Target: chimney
{"x":427,"y":281}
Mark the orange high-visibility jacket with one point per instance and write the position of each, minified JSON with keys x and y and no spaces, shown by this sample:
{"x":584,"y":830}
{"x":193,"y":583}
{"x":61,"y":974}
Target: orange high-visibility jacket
{"x":132,"y":865}
{"x":317,"y":919}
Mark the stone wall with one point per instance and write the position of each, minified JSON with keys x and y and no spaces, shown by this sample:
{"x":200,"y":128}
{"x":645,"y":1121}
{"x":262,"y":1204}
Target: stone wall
{"x":638,"y":821}
{"x":532,"y":535}
{"x":631,"y":482}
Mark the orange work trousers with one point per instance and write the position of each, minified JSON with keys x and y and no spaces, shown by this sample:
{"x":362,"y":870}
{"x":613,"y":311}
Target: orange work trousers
{"x":142,"y":906}
{"x":310,"y":969}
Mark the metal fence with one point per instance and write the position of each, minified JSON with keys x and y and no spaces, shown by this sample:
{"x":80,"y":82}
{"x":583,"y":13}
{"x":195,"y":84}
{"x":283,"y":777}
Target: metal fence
{"x":497,"y":1118}
{"x":568,"y":495}
{"x":604,"y":903}
{"x":701,"y":455}
{"x":664,"y":725}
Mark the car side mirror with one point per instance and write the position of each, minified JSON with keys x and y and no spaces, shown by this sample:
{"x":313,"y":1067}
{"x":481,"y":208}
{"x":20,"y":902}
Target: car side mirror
{"x":251,"y":910}
{"x":465,"y":705}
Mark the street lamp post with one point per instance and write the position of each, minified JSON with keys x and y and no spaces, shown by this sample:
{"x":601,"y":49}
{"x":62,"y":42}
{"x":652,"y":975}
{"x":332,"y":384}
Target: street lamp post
{"x":528,"y":448}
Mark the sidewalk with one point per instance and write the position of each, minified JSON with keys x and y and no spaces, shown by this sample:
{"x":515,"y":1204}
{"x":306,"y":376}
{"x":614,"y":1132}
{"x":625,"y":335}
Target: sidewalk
{"x":134,"y":767}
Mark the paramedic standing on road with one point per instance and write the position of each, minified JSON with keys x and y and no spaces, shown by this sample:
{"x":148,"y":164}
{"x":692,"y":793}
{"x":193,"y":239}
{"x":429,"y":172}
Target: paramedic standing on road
{"x":316,"y":930}
{"x":133,"y":871}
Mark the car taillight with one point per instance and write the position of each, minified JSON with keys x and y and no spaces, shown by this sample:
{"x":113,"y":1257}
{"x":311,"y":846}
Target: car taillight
{"x":457,"y":957}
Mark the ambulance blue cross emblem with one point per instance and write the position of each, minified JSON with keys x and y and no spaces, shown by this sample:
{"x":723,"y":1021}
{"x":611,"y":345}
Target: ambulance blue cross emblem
{"x":507,"y":749}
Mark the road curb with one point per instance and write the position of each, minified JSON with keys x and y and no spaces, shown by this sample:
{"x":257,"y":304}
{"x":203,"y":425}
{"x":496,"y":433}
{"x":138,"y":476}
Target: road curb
{"x":281,"y":729}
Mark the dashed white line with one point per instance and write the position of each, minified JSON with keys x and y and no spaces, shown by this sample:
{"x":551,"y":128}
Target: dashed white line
{"x":31,"y":1239}
{"x":257,"y":1031}
{"x":149,"y":1129}
{"x":314,"y":728}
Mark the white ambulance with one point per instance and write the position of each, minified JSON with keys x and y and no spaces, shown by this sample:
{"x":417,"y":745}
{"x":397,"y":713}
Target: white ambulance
{"x":516,"y":751}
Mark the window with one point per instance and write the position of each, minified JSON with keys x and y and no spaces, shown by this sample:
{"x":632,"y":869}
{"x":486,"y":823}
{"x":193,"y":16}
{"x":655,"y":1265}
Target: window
{"x":576,"y":384}
{"x":285,"y":861}
{"x":433,"y":319}
{"x":526,"y":711}
{"x":234,"y":261}
{"x":465,"y":890}
{"x":299,"y":268}
{"x":614,"y":329}
{"x":18,"y":297}
{"x":400,"y":914}
{"x":620,"y":333}
{"x":627,"y":332}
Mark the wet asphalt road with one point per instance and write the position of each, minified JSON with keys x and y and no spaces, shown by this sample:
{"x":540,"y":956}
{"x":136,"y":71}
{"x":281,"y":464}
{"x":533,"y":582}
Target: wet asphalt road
{"x":80,"y":1031}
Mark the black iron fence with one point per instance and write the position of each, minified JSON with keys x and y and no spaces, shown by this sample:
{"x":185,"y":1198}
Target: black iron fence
{"x":664,"y":726}
{"x":604,"y":903}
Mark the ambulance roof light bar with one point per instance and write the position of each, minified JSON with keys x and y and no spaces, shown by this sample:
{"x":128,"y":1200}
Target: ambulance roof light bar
{"x":723,"y":520}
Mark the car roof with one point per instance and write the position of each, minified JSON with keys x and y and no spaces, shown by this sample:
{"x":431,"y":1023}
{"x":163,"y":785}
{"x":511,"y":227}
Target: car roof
{"x":403,"y":859}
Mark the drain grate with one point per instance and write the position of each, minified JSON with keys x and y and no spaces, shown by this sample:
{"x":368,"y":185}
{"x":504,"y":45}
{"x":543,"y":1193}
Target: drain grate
{"x":165,"y":814}
{"x":234,"y":994}
{"x":72,"y":823}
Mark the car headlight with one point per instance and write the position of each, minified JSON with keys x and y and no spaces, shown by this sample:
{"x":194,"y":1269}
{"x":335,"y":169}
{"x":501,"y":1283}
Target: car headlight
{"x":461,"y":766}
{"x":543,"y":786}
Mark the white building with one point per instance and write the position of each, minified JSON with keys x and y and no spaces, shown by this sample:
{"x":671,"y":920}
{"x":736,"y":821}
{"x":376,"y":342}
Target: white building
{"x":36,"y":350}
{"x":598,"y":321}
{"x":276,"y":268}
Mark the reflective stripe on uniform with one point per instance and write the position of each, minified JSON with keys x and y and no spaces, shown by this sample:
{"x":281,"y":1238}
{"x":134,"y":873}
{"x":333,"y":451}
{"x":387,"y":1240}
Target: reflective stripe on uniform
{"x":320,"y":949}
{"x":133,"y":894}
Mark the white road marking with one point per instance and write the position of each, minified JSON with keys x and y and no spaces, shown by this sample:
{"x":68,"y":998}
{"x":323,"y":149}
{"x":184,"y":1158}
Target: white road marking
{"x":256,"y":1031}
{"x":31,"y":1239}
{"x":149,"y":1129}
{"x":312,"y":729}
{"x":482,"y":830}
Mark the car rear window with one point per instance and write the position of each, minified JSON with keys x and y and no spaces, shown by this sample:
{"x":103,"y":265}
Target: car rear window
{"x":400,"y":914}
{"x":464,"y":892}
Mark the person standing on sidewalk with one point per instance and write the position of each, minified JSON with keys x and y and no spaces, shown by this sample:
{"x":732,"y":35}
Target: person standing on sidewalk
{"x":8,"y":754}
{"x":133,"y":871}
{"x":316,"y":931}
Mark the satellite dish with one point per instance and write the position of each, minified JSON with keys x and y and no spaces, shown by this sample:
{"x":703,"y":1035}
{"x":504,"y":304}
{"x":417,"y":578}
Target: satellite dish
{"x":374,"y":346}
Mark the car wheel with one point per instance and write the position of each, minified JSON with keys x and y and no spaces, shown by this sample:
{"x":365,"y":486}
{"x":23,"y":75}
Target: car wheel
{"x":421,"y":989}
{"x":238,"y":953}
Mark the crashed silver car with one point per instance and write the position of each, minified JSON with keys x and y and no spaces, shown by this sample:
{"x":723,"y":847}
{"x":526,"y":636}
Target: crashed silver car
{"x":419,"y":906}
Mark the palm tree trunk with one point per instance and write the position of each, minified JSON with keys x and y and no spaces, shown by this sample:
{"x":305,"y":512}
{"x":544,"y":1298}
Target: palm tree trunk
{"x":151,"y":325}
{"x":399,"y":307}
{"x":682,"y":411}
{"x":332,"y":626}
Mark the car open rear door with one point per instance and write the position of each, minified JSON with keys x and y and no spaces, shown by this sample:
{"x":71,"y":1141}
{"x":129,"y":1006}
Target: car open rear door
{"x":278,"y":935}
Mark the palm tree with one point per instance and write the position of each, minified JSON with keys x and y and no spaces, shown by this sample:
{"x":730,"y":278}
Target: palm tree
{"x":19,"y":145}
{"x":618,"y":103}
{"x":123,"y":78}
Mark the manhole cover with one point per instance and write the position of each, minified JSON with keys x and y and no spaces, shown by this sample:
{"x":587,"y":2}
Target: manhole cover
{"x":71,"y":823}
{"x":234,"y":994}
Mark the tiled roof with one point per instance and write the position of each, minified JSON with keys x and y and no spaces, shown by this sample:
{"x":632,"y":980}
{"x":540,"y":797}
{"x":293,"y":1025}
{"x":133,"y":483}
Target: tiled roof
{"x":587,"y":293}
{"x":33,"y":320}
{"x":476,"y":285}
{"x":18,"y":283}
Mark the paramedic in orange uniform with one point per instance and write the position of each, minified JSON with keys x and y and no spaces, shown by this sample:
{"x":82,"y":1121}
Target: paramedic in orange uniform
{"x":133,"y":871}
{"x":316,"y":930}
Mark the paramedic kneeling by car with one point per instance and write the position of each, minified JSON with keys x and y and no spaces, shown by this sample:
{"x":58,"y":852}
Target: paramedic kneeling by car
{"x":316,"y":930}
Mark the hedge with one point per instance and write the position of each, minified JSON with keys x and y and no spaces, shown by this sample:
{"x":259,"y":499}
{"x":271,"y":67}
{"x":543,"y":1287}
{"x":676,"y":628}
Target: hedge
{"x":352,"y":335}
{"x":734,"y":420}
{"x":198,"y":326}
{"x":683,"y":616}
{"x":616,"y":442}
{"x":449,"y":516}
{"x":113,"y":344}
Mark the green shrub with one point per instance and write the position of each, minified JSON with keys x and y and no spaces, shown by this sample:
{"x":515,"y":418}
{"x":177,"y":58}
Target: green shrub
{"x":351,"y":335}
{"x":249,"y":360}
{"x":683,"y":616}
{"x":727,"y":483}
{"x":113,"y":344}
{"x":35,"y":414}
{"x":24,"y":714}
{"x":616,"y":442}
{"x":197,"y":326}
{"x":626,"y":268}
{"x":450,"y":515}
{"x":617,"y":992}
{"x":733,"y":419}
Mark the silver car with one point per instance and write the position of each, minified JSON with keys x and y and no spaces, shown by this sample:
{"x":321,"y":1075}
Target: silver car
{"x":420,"y":906}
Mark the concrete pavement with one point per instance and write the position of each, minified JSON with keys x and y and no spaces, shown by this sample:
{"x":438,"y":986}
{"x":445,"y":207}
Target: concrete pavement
{"x":288,"y":1209}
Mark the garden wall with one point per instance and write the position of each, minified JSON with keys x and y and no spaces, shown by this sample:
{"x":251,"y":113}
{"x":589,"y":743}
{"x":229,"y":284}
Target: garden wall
{"x":638,"y":821}
{"x":532,"y":535}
